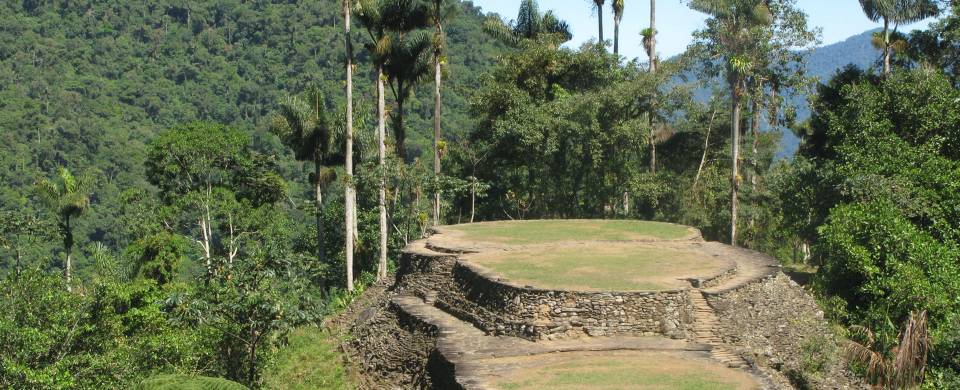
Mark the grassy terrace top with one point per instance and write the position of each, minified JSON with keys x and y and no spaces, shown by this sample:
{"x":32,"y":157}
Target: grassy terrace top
{"x":556,"y":230}
{"x":620,"y":370}
{"x":585,"y":255}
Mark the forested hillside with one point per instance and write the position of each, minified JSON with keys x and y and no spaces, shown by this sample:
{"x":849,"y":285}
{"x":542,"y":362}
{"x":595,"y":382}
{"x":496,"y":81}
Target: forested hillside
{"x":187,"y":188}
{"x":87,"y":84}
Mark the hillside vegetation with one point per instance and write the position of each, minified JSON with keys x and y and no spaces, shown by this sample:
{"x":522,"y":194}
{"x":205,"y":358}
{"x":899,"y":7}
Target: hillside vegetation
{"x":90,"y":83}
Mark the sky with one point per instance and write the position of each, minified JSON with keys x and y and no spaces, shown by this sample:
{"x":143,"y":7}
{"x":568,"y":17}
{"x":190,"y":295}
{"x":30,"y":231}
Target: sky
{"x":837,"y":19}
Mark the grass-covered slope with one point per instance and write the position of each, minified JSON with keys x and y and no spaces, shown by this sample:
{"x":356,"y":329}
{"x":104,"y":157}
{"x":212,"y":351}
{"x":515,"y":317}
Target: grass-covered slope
{"x":310,"y":361}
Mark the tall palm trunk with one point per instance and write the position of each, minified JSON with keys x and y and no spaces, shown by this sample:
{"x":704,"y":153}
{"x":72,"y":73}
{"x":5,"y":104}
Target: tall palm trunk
{"x":437,"y":76}
{"x":653,"y":36}
{"x":399,"y":132}
{"x":382,"y":155}
{"x":653,"y":69}
{"x":318,"y":183}
{"x":600,"y":22}
{"x":68,"y":247}
{"x":348,"y":196}
{"x":616,"y":36}
{"x":735,"y":145}
{"x":886,"y":46}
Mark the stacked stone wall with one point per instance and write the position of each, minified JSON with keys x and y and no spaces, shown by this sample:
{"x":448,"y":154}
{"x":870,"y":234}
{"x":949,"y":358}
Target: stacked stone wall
{"x":503,"y":308}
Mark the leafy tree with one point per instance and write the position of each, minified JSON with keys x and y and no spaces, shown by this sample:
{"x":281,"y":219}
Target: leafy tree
{"x":562,"y":132}
{"x":878,"y":189}
{"x":158,"y":257}
{"x":19,"y":232}
{"x":938,"y":48}
{"x":69,"y":197}
{"x":205,"y":171}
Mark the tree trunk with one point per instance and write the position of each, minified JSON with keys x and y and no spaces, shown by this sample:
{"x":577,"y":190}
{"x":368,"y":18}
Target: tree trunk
{"x":755,"y":131}
{"x":399,"y":132}
{"x":436,"y":132}
{"x":473,"y":199}
{"x":616,"y":36}
{"x":706,"y":146}
{"x":653,"y":146}
{"x":68,"y":247}
{"x":653,"y":69}
{"x":382,"y":156}
{"x":348,"y":196}
{"x":318,"y":190}
{"x":886,"y":46}
{"x":735,"y":145}
{"x":653,"y":36}
{"x":600,"y":23}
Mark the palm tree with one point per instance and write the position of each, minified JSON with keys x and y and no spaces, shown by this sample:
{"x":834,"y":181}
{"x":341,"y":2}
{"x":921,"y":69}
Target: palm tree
{"x":304,"y":127}
{"x":348,"y":158}
{"x":909,"y":362}
{"x":896,"y":12}
{"x":440,"y":12}
{"x":617,"y":6}
{"x":407,"y":60}
{"x":68,"y":196}
{"x":530,"y":26}
{"x":370,"y":14}
{"x":733,"y":26}
{"x":599,"y":5}
{"x":650,"y":46}
{"x":650,"y":39}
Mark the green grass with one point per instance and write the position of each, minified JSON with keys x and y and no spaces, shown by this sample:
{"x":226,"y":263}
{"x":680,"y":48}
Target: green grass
{"x":610,"y":266}
{"x":187,"y":382}
{"x":545,"y":231}
{"x":310,"y":361}
{"x":627,"y":373}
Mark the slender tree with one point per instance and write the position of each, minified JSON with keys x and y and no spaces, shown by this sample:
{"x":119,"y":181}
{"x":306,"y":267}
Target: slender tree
{"x":68,"y":197}
{"x":650,"y":46}
{"x":304,"y":127}
{"x":370,"y":14}
{"x":896,"y":12}
{"x":617,"y":6}
{"x":599,"y":5}
{"x":349,"y":190}
{"x":733,"y":29}
{"x":440,"y":12}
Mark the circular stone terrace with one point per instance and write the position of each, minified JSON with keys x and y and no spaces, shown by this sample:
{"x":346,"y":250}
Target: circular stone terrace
{"x":586,"y":255}
{"x":574,"y":304}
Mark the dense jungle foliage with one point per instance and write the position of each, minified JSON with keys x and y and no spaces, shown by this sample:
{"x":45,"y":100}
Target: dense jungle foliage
{"x":172,"y":174}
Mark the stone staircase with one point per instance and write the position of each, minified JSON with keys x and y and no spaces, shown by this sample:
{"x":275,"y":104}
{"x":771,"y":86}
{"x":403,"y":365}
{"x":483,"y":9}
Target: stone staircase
{"x":473,"y":352}
{"x":704,"y":331}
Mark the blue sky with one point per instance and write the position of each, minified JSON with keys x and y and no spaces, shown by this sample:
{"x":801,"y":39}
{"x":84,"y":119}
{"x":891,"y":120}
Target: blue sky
{"x":838,"y":19}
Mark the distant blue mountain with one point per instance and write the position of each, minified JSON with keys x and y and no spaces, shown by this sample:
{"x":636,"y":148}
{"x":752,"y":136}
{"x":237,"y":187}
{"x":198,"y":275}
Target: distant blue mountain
{"x":823,"y":63}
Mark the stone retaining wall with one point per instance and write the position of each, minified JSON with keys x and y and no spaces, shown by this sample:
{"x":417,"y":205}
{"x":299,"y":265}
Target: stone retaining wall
{"x":502,"y":308}
{"x":398,"y":347}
